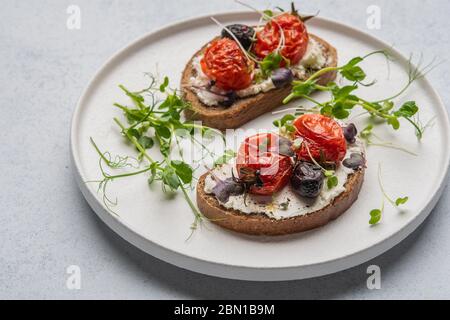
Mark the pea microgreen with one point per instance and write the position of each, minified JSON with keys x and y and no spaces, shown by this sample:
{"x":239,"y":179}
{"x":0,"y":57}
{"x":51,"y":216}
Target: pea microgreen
{"x":376,"y":214}
{"x":150,"y":124}
{"x":372,"y":139}
{"x":332,"y":182}
{"x":285,"y":124}
{"x":343,"y":99}
{"x":270,"y":63}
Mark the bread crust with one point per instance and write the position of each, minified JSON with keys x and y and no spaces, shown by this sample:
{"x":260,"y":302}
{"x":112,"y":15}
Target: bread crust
{"x":246,"y":109}
{"x":260,"y":224}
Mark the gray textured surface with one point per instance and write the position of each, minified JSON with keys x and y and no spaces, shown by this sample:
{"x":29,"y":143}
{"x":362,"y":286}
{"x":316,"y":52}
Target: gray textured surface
{"x":45,"y":224}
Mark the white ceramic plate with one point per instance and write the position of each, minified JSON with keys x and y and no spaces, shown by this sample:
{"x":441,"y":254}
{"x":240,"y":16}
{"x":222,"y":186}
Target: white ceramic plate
{"x":160,"y":226}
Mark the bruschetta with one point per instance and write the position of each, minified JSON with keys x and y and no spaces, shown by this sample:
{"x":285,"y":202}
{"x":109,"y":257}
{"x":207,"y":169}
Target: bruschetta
{"x":281,"y":185}
{"x":248,"y":71}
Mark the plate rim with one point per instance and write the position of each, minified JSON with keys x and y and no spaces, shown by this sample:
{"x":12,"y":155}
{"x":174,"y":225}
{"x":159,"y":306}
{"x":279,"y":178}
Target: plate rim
{"x":230,"y":271}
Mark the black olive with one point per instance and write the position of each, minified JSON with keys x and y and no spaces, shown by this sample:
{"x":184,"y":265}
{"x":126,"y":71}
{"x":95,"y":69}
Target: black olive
{"x":282,"y":77}
{"x":242,"y":32}
{"x":226,"y":188}
{"x":355,"y":162}
{"x":307,"y":179}
{"x":229,"y":99}
{"x":350,"y":133}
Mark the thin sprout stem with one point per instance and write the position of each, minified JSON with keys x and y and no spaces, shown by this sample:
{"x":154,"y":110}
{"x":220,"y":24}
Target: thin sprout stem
{"x":391,"y":146}
{"x":102,"y":156}
{"x":419,"y":130}
{"x":380,"y":182}
{"x":322,"y":88}
{"x":312,"y":100}
{"x":321,"y":72}
{"x":128,"y":174}
{"x":314,"y":109}
{"x":194,"y":209}
{"x":315,"y":162}
{"x":415,"y":73}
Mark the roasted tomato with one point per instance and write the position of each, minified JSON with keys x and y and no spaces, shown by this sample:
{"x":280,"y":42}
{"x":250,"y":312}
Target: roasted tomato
{"x":261,"y":166}
{"x":323,"y":137}
{"x":295,"y":34}
{"x":225,"y":63}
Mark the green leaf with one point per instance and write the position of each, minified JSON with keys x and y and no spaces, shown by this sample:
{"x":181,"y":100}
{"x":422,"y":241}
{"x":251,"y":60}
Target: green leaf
{"x":332,"y":182}
{"x":153,"y":172}
{"x":344,"y":92}
{"x":170,"y":178}
{"x":282,"y":122}
{"x":327,"y":110}
{"x":375,"y":216}
{"x":183,"y":170}
{"x":367,"y":132}
{"x":401,"y":201}
{"x":164,"y":148}
{"x":164,"y":85}
{"x":146,"y":142}
{"x":289,"y":127}
{"x":388,"y":105}
{"x":353,"y":73}
{"x":340,"y":112}
{"x":163,"y":132}
{"x":407,"y":110}
{"x":270,"y":63}
{"x":354,"y":61}
{"x":287,"y":118}
{"x":134,"y":133}
{"x":133,"y":115}
{"x":268,"y":13}
{"x":303,"y":88}
{"x":225,"y":158}
{"x":394,"y":123}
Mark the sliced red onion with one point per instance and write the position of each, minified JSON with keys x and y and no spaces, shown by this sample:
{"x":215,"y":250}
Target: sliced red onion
{"x":224,"y":189}
{"x":282,"y":77}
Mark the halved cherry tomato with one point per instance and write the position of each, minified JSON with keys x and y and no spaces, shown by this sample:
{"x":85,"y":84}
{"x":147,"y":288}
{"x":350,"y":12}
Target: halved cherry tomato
{"x":260,"y":164}
{"x":295,"y":34}
{"x":323,"y":137}
{"x":225,"y":63}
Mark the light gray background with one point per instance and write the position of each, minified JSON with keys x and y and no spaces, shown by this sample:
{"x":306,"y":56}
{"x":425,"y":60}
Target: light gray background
{"x":46,"y":225}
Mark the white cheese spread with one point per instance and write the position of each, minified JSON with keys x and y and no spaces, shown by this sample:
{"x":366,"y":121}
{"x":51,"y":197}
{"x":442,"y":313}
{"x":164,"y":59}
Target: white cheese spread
{"x":286,"y":203}
{"x":314,"y":59}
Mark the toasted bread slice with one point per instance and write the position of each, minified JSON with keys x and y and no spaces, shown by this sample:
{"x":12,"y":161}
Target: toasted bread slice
{"x":245,"y":109}
{"x":260,"y":224}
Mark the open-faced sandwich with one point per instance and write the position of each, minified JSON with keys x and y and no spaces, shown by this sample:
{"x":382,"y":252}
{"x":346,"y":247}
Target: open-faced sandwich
{"x":248,"y":71}
{"x":283,"y":184}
